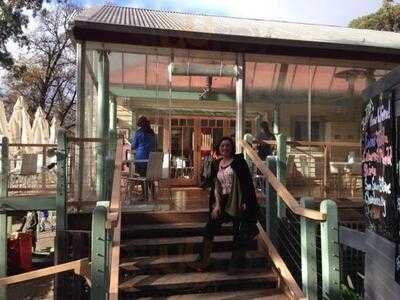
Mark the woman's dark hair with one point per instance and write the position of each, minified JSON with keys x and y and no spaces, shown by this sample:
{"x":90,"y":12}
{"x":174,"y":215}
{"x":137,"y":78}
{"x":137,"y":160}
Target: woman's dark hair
{"x":143,"y":122}
{"x":264,"y":125}
{"x":226,"y":138}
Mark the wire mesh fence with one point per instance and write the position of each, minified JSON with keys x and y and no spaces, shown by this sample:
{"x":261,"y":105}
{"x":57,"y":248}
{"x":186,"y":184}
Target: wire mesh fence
{"x":285,"y":233}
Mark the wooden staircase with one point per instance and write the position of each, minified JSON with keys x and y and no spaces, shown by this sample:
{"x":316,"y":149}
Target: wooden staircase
{"x":156,"y":248}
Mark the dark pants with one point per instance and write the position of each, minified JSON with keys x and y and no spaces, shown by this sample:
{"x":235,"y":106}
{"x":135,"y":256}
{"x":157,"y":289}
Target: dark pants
{"x":240,"y":237}
{"x":141,"y":168}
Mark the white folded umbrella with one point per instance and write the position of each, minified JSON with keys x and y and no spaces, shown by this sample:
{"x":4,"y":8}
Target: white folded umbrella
{"x":55,"y":125}
{"x":4,"y":128}
{"x":40,"y":128}
{"x":19,"y":124}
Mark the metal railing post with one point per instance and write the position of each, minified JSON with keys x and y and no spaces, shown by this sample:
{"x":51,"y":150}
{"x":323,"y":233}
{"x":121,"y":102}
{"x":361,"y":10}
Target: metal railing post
{"x":308,"y":230}
{"x":281,"y":170}
{"x":103,"y":124}
{"x":99,"y":253}
{"x":3,"y":215}
{"x":270,"y":204}
{"x":330,"y":250}
{"x":61,"y":212}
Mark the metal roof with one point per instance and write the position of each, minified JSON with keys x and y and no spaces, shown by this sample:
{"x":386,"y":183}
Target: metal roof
{"x":128,"y":19}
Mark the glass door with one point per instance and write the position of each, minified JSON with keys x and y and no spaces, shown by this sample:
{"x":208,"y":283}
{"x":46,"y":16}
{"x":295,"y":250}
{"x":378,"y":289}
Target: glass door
{"x":183,"y":144}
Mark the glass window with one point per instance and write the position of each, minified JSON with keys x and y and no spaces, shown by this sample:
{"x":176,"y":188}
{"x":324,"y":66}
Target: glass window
{"x":115,"y":71}
{"x":134,"y":69}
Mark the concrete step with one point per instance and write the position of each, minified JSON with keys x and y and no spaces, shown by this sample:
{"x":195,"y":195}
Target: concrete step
{"x":178,"y":263}
{"x":195,"y":283}
{"x":173,"y":246}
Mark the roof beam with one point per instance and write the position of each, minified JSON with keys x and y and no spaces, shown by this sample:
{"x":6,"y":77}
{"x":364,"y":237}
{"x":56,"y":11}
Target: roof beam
{"x":162,"y":94}
{"x":269,"y":58}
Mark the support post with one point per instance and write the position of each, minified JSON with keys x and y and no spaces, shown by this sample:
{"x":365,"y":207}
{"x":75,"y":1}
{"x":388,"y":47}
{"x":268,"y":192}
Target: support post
{"x":3,"y":215}
{"x":99,"y":255}
{"x":308,"y":253}
{"x":270,"y":205}
{"x":281,"y":170}
{"x":113,"y":112}
{"x":103,"y":124}
{"x":257,"y":123}
{"x":61,"y":213}
{"x":110,"y":162}
{"x":134,"y":122}
{"x":330,"y":251}
{"x":80,"y":115}
{"x":275,"y":118}
{"x":240,"y":101}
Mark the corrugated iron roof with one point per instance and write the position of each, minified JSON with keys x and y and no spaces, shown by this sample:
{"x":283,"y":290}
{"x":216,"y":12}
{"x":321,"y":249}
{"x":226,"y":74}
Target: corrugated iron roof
{"x":148,"y":20}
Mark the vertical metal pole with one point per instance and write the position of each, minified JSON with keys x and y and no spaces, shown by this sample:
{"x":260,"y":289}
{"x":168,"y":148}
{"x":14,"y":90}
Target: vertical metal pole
{"x":113,"y":112}
{"x":275,"y":118}
{"x":3,"y":215}
{"x":309,"y":103}
{"x":99,"y":244}
{"x":270,"y":205}
{"x":103,"y":124}
{"x":330,"y":251}
{"x":308,"y":253}
{"x":240,"y":101}
{"x":61,"y":212}
{"x":309,"y":127}
{"x":281,"y":170}
{"x":80,"y":115}
{"x":257,"y":124}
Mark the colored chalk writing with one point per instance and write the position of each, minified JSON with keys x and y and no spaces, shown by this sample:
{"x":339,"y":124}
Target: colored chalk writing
{"x":378,"y":165}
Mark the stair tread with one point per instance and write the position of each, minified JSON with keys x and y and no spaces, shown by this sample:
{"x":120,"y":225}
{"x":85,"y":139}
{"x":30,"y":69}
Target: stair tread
{"x":265,"y":294}
{"x":173,"y":240}
{"x":191,"y":279}
{"x":144,"y":261}
{"x":170,"y":226}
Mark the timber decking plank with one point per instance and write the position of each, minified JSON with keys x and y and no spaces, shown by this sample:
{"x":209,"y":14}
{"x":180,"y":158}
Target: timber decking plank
{"x":170,"y":230}
{"x":149,"y":260}
{"x":172,"y":241}
{"x":265,"y":294}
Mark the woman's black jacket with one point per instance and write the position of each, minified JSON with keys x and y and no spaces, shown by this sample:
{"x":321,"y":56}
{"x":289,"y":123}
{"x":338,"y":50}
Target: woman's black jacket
{"x":242,"y":172}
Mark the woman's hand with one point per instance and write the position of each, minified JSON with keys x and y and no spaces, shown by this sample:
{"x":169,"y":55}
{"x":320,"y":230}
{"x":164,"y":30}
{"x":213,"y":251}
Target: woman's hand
{"x":216,"y":212}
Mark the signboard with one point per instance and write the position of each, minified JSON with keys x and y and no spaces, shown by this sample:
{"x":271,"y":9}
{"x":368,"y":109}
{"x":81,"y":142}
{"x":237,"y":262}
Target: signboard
{"x":378,"y":167}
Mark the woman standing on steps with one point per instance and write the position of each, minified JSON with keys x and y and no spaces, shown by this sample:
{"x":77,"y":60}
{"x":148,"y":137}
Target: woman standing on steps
{"x":232,"y":199}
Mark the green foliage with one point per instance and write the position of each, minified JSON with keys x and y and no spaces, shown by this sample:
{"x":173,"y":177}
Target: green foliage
{"x":12,"y":22}
{"x":387,"y":18}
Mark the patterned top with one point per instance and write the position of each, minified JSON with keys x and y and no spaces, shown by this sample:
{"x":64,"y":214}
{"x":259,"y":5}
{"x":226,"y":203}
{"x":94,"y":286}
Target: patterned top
{"x":225,"y":177}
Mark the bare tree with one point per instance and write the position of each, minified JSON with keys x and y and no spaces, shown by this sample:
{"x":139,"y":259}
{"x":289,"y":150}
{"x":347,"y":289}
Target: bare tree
{"x":45,"y":76}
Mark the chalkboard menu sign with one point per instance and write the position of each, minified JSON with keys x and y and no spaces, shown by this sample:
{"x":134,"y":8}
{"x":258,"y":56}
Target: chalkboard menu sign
{"x":378,"y":167}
